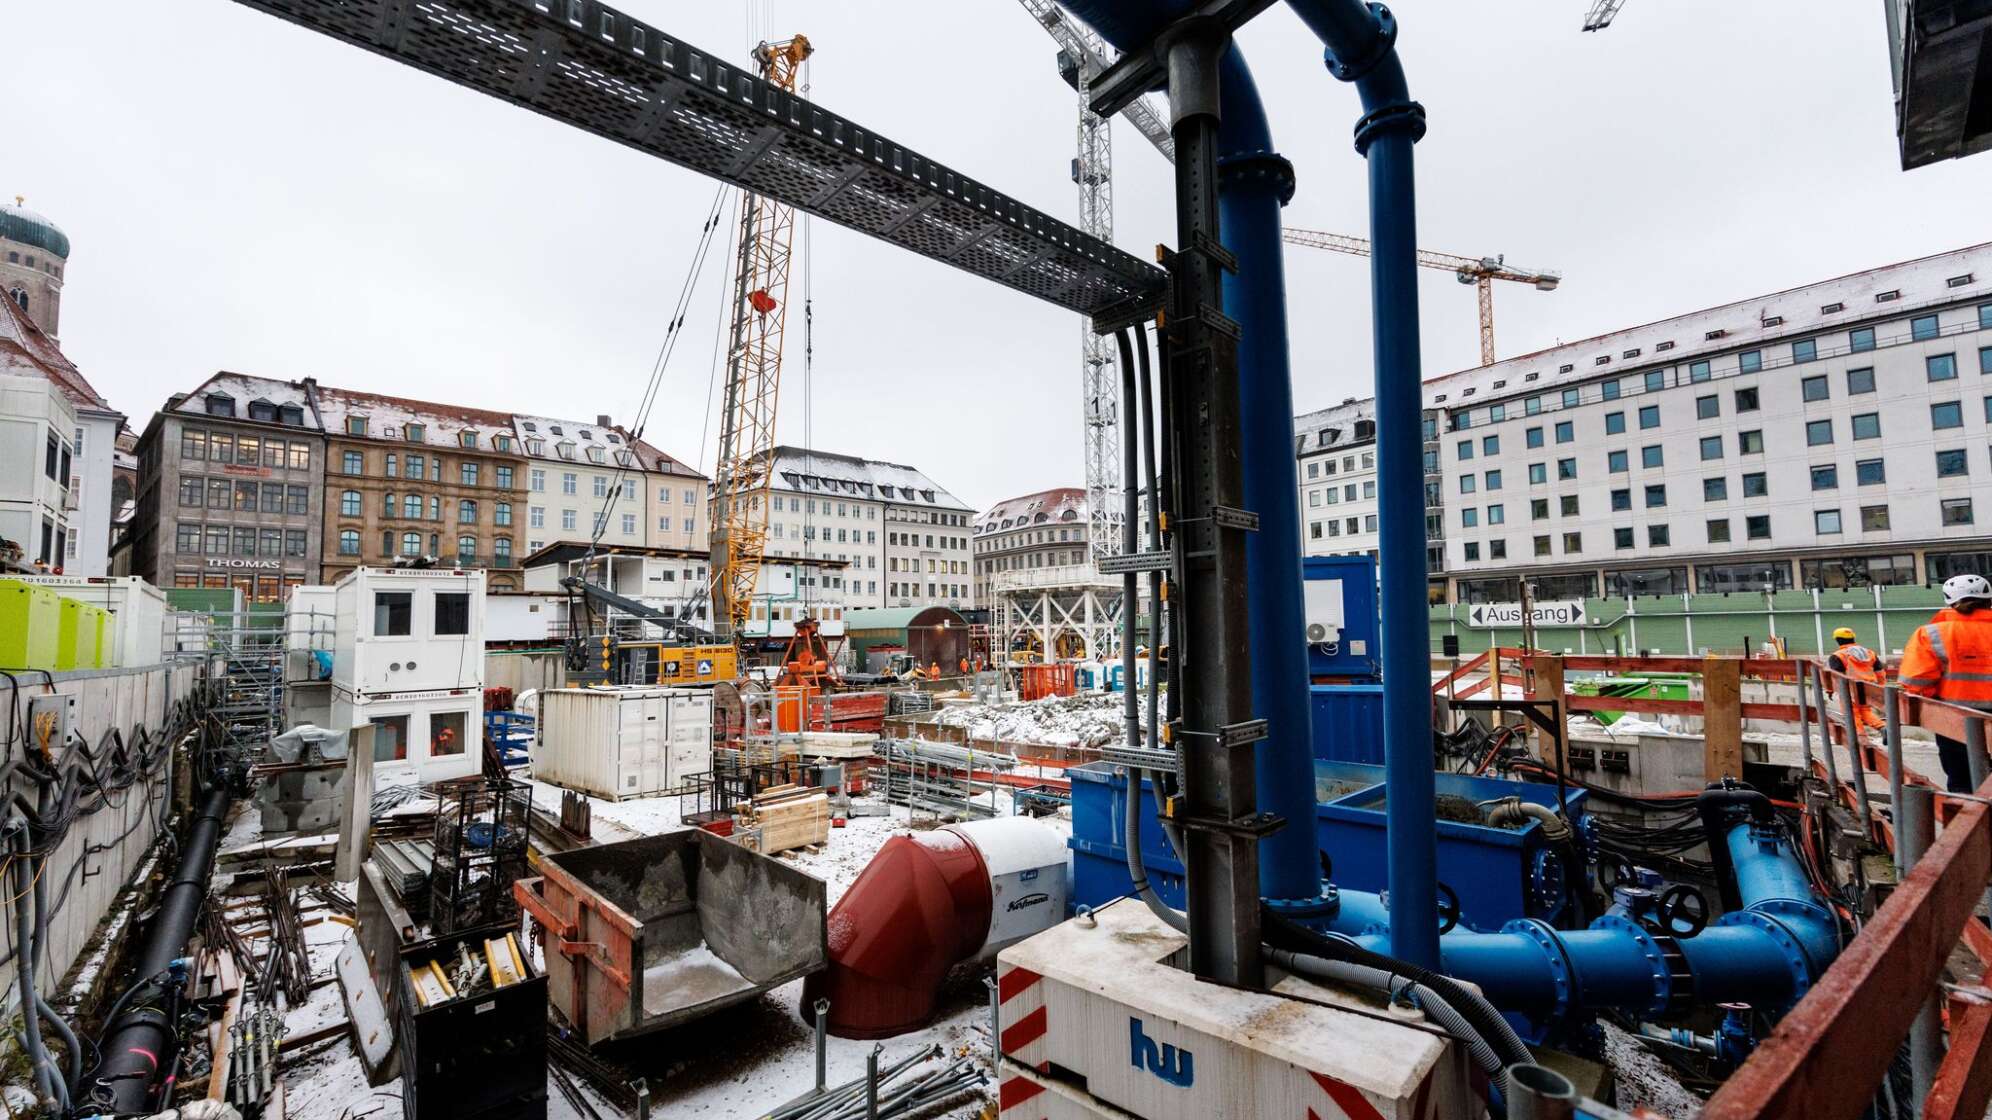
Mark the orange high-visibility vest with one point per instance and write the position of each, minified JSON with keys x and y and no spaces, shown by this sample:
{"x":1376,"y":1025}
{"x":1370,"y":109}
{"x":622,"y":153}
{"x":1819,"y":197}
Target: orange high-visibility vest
{"x":1951,"y":660}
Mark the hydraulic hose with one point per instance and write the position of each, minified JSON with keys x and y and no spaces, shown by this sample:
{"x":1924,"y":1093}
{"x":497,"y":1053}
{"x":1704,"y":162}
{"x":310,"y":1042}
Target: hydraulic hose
{"x":24,"y":965}
{"x":1486,"y":1022}
{"x":1391,"y":983}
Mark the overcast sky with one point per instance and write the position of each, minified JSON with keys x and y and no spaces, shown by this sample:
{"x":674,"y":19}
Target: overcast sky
{"x":243,"y":194}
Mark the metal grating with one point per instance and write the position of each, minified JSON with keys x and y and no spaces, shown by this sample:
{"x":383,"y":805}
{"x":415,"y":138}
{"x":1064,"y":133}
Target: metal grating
{"x":593,"y":67}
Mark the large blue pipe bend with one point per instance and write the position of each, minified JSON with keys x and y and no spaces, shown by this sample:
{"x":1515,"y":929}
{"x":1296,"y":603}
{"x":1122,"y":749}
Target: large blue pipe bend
{"x":1768,"y":953}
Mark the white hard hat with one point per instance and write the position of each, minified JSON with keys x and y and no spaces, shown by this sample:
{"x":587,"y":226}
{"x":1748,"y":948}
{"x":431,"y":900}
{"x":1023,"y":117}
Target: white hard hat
{"x":1959,"y":588}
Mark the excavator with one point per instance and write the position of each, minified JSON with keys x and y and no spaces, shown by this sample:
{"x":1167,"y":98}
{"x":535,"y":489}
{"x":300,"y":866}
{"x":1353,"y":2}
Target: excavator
{"x":686,"y":654}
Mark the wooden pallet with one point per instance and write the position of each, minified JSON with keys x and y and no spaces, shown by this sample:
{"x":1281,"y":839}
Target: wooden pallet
{"x":783,"y":817}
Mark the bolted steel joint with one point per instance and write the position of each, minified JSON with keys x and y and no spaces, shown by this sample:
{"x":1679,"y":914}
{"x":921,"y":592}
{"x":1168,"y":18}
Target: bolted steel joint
{"x":1258,"y":167}
{"x":1194,"y":50}
{"x":1398,"y":116}
{"x":1361,"y":61}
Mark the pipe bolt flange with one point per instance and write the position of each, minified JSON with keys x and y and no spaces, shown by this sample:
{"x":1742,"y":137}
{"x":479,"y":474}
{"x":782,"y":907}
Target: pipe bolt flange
{"x":1787,"y":945}
{"x":1654,"y":953}
{"x":1376,"y":50}
{"x":1562,"y":973}
{"x":1311,"y":912}
{"x":1258,"y":166}
{"x":1398,"y":116}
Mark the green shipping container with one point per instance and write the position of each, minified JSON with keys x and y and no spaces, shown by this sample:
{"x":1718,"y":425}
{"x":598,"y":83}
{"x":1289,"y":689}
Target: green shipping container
{"x":28,"y":626}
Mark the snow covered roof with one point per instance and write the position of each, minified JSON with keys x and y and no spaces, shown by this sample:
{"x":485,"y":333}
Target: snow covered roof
{"x":1349,"y":424}
{"x":600,"y":444}
{"x":246,"y":389}
{"x":1063,"y":505}
{"x":804,"y":471}
{"x":1828,"y":305}
{"x":25,"y":349}
{"x":656,"y":460}
{"x":411,"y":421}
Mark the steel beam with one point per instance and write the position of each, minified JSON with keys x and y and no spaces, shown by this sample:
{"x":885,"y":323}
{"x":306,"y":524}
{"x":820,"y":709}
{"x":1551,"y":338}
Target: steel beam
{"x":588,"y":65}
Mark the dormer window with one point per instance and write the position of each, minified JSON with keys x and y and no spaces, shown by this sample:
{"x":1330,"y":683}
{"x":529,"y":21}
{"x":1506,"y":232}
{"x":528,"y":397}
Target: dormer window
{"x":555,"y":429}
{"x":529,"y":425}
{"x":1773,"y":321}
{"x":595,"y":455}
{"x":501,"y":443}
{"x":535,"y":447}
{"x":613,"y":438}
{"x":413,"y":433}
{"x":356,"y":425}
{"x":564,"y":449}
{"x":1889,"y":296}
{"x":262,"y":409}
{"x":390,"y":432}
{"x":625,"y":458}
{"x":291,"y":414}
{"x":467,"y":439}
{"x":219,"y":404}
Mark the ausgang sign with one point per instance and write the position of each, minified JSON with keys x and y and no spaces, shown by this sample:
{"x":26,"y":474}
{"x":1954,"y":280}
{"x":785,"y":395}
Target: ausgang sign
{"x":1570,"y":613}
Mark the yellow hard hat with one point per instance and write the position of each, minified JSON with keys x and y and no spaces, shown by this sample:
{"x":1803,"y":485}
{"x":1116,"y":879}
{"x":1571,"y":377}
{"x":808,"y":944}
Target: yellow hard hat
{"x":1844,"y":634}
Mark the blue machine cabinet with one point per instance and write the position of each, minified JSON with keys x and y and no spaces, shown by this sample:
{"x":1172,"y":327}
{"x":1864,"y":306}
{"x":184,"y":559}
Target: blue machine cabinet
{"x":1339,"y":600}
{"x":1499,"y":874}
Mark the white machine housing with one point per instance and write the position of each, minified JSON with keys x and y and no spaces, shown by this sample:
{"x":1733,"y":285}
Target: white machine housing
{"x":1097,"y":1019}
{"x":138,"y":613}
{"x":1029,"y":877}
{"x":408,"y":630}
{"x":622,"y":742}
{"x":1322,"y":609}
{"x":422,"y":737}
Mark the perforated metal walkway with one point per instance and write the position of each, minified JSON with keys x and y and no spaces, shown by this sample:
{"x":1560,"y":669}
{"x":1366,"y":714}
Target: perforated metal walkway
{"x":593,"y":67}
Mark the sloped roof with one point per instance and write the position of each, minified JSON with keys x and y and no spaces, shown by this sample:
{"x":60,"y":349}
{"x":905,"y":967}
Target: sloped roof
{"x":388,"y":417}
{"x":653,"y":459}
{"x":25,"y":349}
{"x":1043,"y":507}
{"x":827,"y":473}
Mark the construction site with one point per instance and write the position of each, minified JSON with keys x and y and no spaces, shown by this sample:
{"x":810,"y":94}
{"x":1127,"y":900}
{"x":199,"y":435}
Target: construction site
{"x":1171,"y":817}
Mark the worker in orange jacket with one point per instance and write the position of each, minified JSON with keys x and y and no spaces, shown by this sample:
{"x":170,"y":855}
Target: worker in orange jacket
{"x":1950,"y":658}
{"x":1862,"y":669}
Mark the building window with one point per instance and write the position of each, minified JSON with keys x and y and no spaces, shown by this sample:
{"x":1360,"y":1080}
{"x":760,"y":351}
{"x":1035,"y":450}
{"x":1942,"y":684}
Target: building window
{"x":1621,"y":538}
{"x":1652,"y":455}
{"x":1565,"y":431}
{"x":1757,"y":526}
{"x":1542,"y":545}
{"x":1698,"y":371}
{"x":1656,"y":496}
{"x":502,"y":514}
{"x":216,"y":404}
{"x":537,"y":480}
{"x":352,"y":463}
{"x":1746,"y":400}
{"x":1469,"y":517}
{"x":1923,"y":327}
{"x":1538,"y":474}
{"x":1750,"y":361}
{"x":1569,"y":505}
{"x":1532,"y":406}
{"x":1826,"y":522}
{"x":418,"y":467}
{"x":1468,"y":483}
{"x":1497,"y":514}
{"x":1805,"y":350}
{"x":1566,"y":470}
{"x":467,"y":473}
{"x":1466,"y":449}
{"x":1621,"y":499}
{"x":1814,"y":388}
{"x":504,"y":476}
{"x":349,"y":542}
{"x":1715,"y":489}
{"x":1818,"y":432}
{"x":1861,"y":338}
{"x":1609,"y":390}
{"x":1718,"y":530}
{"x":1860,"y":381}
{"x":569,"y":482}
{"x":1956,"y":511}
{"x":1571,"y":398}
{"x":1614,"y":423}
{"x":1490,"y":445}
{"x":1951,"y":463}
{"x":1493,"y":482}
{"x":1573,"y":542}
{"x":629,"y":524}
{"x":1946,"y":414}
{"x":1533,"y":437}
{"x":296,"y":499}
{"x":1616,"y":462}
{"x":567,"y":519}
{"x":1711,"y":448}
{"x":1870,"y":472}
{"x":536,"y":517}
{"x":501,"y":552}
{"x":349,"y":503}
{"x":1826,"y":476}
{"x":1656,"y":380}
{"x":1874,"y":519}
{"x":1649,"y":417}
{"x":1657,"y":536}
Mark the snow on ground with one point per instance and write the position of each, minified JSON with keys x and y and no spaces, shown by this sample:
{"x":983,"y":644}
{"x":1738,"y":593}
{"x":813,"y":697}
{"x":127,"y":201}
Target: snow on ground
{"x":1086,"y":720}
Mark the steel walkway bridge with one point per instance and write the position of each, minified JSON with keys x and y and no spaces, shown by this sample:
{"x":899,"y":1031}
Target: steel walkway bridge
{"x":590,"y":66}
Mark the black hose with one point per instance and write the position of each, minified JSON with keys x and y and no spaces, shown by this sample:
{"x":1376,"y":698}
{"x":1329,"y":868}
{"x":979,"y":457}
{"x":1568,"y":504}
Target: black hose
{"x":1285,"y":933}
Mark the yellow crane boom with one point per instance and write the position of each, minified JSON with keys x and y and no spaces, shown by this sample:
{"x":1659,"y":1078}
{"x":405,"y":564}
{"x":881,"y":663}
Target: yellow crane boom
{"x":753,"y":379}
{"x":1478,"y":271}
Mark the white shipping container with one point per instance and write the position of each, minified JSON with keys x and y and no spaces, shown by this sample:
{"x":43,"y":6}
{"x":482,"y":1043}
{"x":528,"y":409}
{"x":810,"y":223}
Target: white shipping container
{"x":1103,"y":998}
{"x":408,"y":630}
{"x":623,"y":742}
{"x":419,"y":738}
{"x":138,"y":613}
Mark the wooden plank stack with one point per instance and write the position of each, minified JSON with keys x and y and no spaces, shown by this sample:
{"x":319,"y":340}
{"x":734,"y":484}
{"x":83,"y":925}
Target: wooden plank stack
{"x":782,"y":818}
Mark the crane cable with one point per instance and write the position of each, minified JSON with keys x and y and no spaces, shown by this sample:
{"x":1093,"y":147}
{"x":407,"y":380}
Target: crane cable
{"x":672,"y":331}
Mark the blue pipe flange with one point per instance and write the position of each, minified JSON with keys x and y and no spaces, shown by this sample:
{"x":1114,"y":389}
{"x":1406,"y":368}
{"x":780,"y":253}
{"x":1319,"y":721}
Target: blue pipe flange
{"x":1562,"y":973}
{"x":1373,"y":51}
{"x":1548,"y":882}
{"x":1258,"y":166}
{"x":1787,"y":944}
{"x":1656,"y":955}
{"x":1408,"y":116}
{"x":1797,"y":911}
{"x":1313,"y":912}
{"x":1587,"y":837}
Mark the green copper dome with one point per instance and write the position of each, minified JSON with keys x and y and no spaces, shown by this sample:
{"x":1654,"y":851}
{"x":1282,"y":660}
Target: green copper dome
{"x":18,"y":223}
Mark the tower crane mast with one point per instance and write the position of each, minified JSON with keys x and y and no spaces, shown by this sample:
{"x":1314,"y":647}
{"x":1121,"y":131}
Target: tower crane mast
{"x":1601,"y":13}
{"x":753,"y":378}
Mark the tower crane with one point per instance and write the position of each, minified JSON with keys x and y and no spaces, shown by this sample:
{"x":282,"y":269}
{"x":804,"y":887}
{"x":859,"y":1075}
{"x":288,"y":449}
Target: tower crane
{"x":753,"y":378}
{"x":1601,"y":13}
{"x":1083,"y":55}
{"x":1478,"y":271}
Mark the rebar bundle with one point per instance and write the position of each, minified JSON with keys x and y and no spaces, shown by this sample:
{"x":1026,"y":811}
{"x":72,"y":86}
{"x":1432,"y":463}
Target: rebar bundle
{"x":898,"y":1090}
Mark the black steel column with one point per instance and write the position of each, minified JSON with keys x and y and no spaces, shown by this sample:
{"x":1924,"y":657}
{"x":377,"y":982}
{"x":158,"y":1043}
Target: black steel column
{"x":1215,"y":733}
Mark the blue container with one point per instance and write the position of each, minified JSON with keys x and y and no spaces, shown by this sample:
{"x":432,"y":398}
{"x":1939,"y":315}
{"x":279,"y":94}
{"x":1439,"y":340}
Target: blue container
{"x":1350,"y":582}
{"x":1499,"y":874}
{"x":1348,"y":723}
